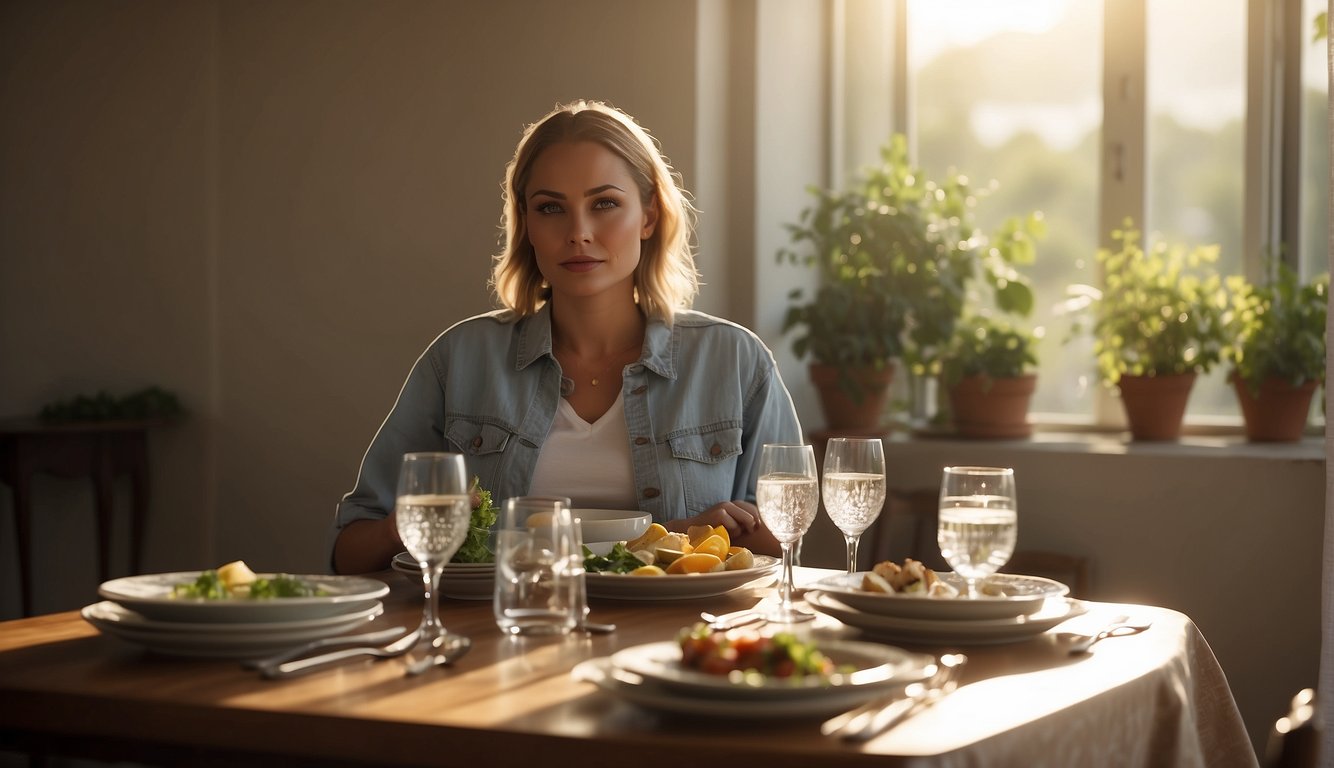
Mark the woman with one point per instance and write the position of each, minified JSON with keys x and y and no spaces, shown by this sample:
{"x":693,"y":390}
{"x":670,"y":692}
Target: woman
{"x":595,"y":381}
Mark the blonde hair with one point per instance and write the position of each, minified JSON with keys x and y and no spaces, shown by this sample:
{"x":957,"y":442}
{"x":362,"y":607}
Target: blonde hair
{"x":666,"y":279}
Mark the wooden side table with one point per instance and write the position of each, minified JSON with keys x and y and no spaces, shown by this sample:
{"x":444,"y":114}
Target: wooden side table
{"x":98,"y":450}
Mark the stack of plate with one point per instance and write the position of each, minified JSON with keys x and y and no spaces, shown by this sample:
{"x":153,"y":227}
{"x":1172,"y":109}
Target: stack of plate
{"x":1029,"y":605}
{"x":461,"y":581}
{"x":652,"y":676}
{"x":141,"y":610}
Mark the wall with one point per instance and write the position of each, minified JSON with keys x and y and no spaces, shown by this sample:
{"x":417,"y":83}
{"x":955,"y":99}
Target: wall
{"x":270,"y":209}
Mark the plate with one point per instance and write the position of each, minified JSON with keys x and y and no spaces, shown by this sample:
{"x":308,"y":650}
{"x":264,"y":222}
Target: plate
{"x":623,"y":586}
{"x":647,"y":693}
{"x":150,"y":596}
{"x":1024,"y":595}
{"x":461,"y":581}
{"x":208,"y":641}
{"x":876,"y":666}
{"x":957,"y":631}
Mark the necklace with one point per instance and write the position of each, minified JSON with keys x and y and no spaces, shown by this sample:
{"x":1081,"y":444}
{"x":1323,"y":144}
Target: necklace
{"x":596,"y":378}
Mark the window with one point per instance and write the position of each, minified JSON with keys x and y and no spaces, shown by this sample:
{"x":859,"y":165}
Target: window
{"x":987,"y":101}
{"x":1013,"y":92}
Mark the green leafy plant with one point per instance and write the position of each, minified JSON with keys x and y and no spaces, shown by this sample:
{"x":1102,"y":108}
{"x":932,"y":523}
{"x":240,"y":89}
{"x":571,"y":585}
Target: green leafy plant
{"x":1161,"y":311}
{"x":151,"y":403}
{"x":991,"y":347}
{"x":895,"y":254}
{"x":1278,"y":328}
{"x":474,"y":548}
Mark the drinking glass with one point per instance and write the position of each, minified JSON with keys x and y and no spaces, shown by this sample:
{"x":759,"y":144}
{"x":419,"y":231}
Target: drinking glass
{"x":854,"y":487}
{"x":432,"y":512}
{"x":539,"y":567}
{"x":788,"y":495}
{"x":979,"y":521}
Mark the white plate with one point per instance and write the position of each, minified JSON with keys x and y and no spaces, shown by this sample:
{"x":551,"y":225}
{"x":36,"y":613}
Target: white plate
{"x":206,"y":641}
{"x":150,"y":596}
{"x":646,"y":693}
{"x":1023,"y":595}
{"x":109,"y":611}
{"x":623,"y":586}
{"x":473,"y":581}
{"x":961,"y":632}
{"x":876,"y":667}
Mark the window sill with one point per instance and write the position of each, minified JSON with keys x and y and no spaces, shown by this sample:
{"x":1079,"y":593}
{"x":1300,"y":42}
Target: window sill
{"x":1309,"y":449}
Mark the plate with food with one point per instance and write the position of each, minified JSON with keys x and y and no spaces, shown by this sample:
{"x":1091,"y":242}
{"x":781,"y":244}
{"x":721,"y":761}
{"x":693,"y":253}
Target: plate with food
{"x":914,"y":591}
{"x":756,"y":665}
{"x":234,"y":593}
{"x":662,"y":565}
{"x":678,"y":586}
{"x":958,"y":631}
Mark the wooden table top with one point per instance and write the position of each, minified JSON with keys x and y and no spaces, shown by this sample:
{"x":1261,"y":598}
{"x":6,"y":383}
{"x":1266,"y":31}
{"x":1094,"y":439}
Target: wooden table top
{"x":512,"y":702}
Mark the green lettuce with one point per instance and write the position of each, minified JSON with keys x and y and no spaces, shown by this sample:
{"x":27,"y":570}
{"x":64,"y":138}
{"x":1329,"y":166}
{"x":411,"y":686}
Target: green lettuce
{"x":475,"y":549}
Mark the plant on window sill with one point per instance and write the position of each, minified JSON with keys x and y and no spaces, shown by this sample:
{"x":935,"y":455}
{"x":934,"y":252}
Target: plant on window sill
{"x":1158,"y":322}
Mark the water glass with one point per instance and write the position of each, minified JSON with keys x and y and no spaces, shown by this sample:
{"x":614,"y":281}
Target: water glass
{"x":539,"y":567}
{"x":788,"y":496}
{"x":431,"y":513}
{"x":979,"y":521}
{"x":854,"y":487}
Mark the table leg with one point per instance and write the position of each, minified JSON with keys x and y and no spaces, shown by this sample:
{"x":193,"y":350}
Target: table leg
{"x":138,"y":453}
{"x":103,"y":481}
{"x":20,"y":479}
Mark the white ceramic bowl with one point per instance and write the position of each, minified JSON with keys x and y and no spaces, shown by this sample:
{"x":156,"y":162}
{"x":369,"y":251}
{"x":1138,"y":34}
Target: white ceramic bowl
{"x":612,"y":524}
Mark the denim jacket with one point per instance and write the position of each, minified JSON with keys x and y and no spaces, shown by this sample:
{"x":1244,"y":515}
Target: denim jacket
{"x":702,"y":399}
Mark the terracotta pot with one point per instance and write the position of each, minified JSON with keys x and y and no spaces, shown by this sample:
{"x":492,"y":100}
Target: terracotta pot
{"x":989,"y":408}
{"x":836,"y":386}
{"x":1277,"y":414}
{"x":1156,"y":405}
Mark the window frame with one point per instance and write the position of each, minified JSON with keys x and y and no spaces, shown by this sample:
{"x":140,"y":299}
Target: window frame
{"x":1271,"y":174}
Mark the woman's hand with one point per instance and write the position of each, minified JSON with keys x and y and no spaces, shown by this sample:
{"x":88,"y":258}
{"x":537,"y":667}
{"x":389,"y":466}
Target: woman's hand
{"x":743,"y":524}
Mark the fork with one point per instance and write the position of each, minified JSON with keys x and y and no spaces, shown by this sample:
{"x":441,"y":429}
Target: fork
{"x":364,"y":638}
{"x":868,"y":720}
{"x":301,"y":666}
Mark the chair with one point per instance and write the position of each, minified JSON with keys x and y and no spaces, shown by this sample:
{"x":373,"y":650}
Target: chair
{"x":1071,"y":570}
{"x":1295,"y":740}
{"x":907,"y":528}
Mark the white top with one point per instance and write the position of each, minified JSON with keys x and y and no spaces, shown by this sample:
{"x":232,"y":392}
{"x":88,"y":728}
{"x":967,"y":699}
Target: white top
{"x":589,"y":463}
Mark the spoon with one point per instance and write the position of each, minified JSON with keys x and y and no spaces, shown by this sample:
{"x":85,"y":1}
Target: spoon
{"x":1077,"y":644}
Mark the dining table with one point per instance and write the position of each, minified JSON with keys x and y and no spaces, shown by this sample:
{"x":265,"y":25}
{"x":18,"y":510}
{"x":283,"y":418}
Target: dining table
{"x":1154,"y":698}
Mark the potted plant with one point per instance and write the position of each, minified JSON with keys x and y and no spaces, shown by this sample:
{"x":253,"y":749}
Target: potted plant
{"x":1277,"y":351}
{"x":894,"y":253}
{"x":988,"y":375}
{"x":1157,"y":324}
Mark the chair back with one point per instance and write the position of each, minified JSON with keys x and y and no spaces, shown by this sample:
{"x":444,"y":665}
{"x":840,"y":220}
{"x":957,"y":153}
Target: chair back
{"x":1295,"y":740}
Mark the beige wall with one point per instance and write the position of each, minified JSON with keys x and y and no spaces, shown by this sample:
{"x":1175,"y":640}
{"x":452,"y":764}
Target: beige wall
{"x":270,"y":208}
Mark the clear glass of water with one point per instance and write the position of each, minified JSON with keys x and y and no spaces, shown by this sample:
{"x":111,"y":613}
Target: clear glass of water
{"x":854,"y":487}
{"x":788,"y":495}
{"x":979,"y":521}
{"x":539,"y":567}
{"x":432,"y":512}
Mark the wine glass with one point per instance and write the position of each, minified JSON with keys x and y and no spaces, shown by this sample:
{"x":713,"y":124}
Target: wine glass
{"x":788,"y":495}
{"x":432,"y":513}
{"x":979,"y":521}
{"x":854,"y":487}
